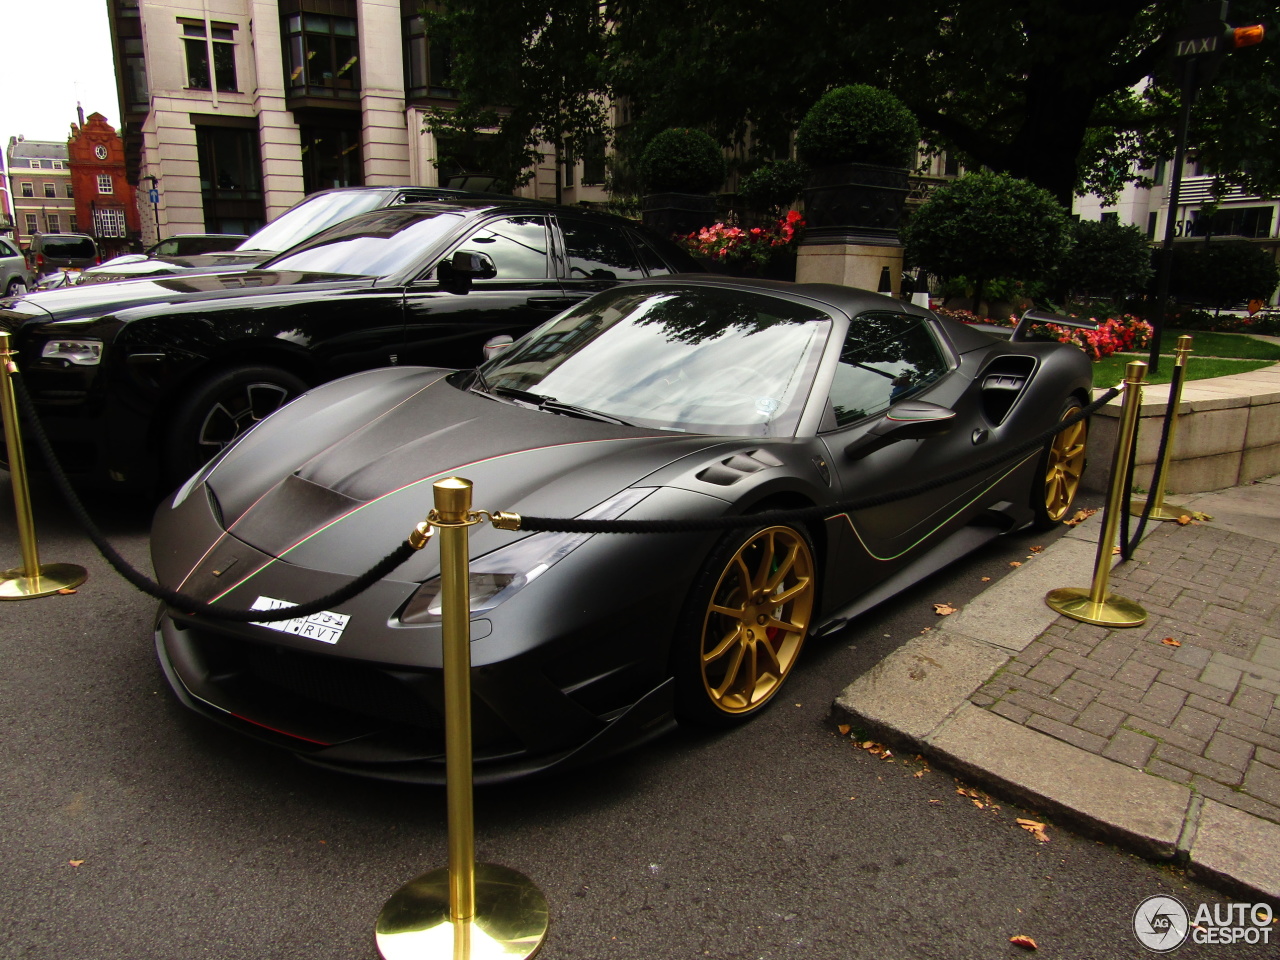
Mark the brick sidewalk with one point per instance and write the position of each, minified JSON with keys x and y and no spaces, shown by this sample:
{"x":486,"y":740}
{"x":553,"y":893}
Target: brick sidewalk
{"x":1205,"y":714}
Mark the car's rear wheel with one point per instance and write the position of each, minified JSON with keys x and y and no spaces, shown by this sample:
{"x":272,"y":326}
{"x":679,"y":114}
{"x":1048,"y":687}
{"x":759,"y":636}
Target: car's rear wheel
{"x":220,"y":409}
{"x":1060,"y":470}
{"x":746,"y":620}
{"x":16,"y":288}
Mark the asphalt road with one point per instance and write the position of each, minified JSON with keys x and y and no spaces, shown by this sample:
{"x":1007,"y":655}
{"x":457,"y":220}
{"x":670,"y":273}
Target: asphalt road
{"x":133,"y":830}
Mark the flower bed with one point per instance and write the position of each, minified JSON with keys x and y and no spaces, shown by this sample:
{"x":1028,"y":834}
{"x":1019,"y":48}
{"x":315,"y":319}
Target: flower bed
{"x":722,"y":243}
{"x":1123,"y":333}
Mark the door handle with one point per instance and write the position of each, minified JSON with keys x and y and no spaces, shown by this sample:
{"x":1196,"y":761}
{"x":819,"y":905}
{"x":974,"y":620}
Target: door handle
{"x":551,"y":303}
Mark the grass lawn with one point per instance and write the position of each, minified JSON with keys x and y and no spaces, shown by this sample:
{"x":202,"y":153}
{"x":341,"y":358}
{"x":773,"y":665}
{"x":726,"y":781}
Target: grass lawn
{"x":1209,"y":357}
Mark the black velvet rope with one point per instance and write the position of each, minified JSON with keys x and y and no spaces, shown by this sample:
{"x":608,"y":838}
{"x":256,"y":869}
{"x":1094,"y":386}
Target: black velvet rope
{"x":181,"y":601}
{"x":802,"y":514}
{"x":1129,"y":544}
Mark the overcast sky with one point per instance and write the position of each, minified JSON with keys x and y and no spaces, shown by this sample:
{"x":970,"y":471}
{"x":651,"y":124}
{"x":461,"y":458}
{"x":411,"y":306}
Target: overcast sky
{"x":56,"y":52}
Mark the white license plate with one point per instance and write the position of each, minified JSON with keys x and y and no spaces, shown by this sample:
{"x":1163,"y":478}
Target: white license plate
{"x":325,"y":626}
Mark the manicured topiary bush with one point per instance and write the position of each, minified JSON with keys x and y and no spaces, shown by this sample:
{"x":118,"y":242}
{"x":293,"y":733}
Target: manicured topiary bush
{"x":682,"y":160}
{"x":773,"y":186}
{"x":858,"y":124}
{"x":1106,"y":260}
{"x":1221,"y":273}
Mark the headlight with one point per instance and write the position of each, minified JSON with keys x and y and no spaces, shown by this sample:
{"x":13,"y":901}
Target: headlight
{"x":82,"y":353}
{"x":497,"y":576}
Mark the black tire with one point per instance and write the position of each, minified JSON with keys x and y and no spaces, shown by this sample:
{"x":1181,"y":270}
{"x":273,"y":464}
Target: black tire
{"x":221,"y":408}
{"x":1059,"y":471}
{"x":729,"y":662}
{"x":16,"y":288}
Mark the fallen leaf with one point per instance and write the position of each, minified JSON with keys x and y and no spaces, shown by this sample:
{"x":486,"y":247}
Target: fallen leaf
{"x":986,"y":579}
{"x":943,"y":609}
{"x":1036,"y":549}
{"x":75,"y":863}
{"x":1080,"y":517}
{"x":66,"y":590}
{"x":1183,"y":520}
{"x":918,"y":773}
{"x":935,"y":801}
{"x":1035,"y":828}
{"x":1197,"y":515}
{"x":1170,"y":642}
{"x":843,"y":728}
{"x":1015,"y":563}
{"x":1022,"y":941}
{"x":1115,"y":550}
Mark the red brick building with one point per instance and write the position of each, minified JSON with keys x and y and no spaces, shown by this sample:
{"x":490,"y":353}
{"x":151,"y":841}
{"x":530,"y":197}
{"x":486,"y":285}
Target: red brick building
{"x":106,"y":205}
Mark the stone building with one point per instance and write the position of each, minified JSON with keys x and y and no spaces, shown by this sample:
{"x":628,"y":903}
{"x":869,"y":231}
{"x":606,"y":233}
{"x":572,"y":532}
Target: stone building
{"x":41,"y":188}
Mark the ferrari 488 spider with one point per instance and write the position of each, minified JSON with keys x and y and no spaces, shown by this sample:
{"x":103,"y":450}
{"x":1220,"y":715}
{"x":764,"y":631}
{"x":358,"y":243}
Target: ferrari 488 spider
{"x":682,"y":398}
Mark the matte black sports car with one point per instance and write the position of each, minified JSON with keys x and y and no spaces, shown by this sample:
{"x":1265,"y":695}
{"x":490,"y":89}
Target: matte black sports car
{"x":676,"y":399}
{"x":147,"y":378}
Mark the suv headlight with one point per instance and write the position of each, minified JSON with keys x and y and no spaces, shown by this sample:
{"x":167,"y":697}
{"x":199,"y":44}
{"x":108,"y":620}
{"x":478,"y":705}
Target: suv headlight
{"x":81,"y":353}
{"x":497,"y":576}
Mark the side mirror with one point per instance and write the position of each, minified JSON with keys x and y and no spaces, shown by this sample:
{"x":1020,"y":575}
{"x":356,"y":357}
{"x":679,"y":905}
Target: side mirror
{"x":909,"y":420}
{"x":496,"y":345}
{"x":458,"y":271}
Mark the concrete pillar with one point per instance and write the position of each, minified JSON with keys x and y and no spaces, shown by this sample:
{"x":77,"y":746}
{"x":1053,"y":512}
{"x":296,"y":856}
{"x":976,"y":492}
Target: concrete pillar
{"x":849,"y":264}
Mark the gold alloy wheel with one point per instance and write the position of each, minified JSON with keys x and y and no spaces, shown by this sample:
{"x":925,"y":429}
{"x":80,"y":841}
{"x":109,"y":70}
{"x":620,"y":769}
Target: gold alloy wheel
{"x":757,"y":619}
{"x":1063,"y":468}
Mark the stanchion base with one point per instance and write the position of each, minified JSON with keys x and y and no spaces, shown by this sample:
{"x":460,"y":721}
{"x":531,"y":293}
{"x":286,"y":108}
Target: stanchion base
{"x":14,"y":585}
{"x":1111,"y":611}
{"x":510,"y":921}
{"x":1165,"y":512}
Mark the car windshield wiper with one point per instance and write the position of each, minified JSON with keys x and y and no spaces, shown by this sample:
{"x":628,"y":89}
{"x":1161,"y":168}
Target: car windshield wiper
{"x":543,"y":402}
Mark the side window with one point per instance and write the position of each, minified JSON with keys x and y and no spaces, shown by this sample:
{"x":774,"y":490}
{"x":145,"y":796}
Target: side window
{"x":653,"y":263}
{"x":885,"y":358}
{"x":599,"y":252}
{"x":517,"y":245}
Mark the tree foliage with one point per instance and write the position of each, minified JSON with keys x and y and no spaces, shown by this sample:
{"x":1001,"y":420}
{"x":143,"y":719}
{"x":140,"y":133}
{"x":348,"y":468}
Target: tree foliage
{"x":1045,"y":91}
{"x":1222,"y":272}
{"x":1106,"y":260}
{"x":986,"y":225}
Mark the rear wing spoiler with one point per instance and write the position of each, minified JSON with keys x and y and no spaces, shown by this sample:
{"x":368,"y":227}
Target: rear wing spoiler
{"x":1033,"y":316}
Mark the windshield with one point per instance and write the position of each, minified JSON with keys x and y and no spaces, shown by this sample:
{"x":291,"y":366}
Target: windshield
{"x":378,"y":245}
{"x":699,"y":360}
{"x":310,"y":217}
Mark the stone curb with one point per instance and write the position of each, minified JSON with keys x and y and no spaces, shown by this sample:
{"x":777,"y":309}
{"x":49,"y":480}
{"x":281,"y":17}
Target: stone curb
{"x":916,"y":699}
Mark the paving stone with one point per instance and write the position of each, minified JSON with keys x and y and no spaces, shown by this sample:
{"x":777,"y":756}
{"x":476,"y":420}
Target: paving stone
{"x":1263,"y":781}
{"x":1193,"y":686}
{"x":1164,"y":699}
{"x":1192,"y":656}
{"x":1234,"y":797}
{"x":1216,"y":675}
{"x":1100,"y":719}
{"x":1250,"y":732}
{"x":1196,"y":764}
{"x":1253,"y":700}
{"x":1195,"y":723}
{"x":1136,"y":674}
{"x":1226,"y":846}
{"x":1270,"y":757}
{"x":1244,"y":666}
{"x":1229,"y":751}
{"x":1075,"y":694}
{"x":1051,"y":672}
{"x":1068,"y":734}
{"x":1130,"y":748}
{"x":1011,"y":711}
{"x":1261,"y":683}
{"x":1168,"y":771}
{"x":1041,"y":705}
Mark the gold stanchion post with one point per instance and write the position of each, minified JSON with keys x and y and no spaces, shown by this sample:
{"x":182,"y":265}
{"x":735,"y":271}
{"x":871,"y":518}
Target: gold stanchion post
{"x":32,"y":579}
{"x":1094,"y":604}
{"x":465,"y":910}
{"x":1159,"y":509}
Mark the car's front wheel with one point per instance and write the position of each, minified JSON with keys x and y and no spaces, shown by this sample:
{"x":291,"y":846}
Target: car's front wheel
{"x":746,"y":620}
{"x":220,"y":409}
{"x":1061,"y":468}
{"x":16,"y":288}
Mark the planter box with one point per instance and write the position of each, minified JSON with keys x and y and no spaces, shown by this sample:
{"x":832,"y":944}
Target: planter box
{"x":858,"y":203}
{"x":680,"y":214}
{"x":781,"y":266}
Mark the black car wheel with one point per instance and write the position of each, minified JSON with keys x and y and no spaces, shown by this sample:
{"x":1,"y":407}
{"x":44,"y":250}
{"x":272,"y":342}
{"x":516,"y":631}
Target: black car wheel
{"x":746,"y":620}
{"x":220,"y":409}
{"x":16,"y":288}
{"x":1061,"y":467}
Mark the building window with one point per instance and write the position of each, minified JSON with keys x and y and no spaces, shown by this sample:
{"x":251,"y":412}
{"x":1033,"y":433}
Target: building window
{"x":28,"y":189}
{"x":32,"y":227}
{"x":593,"y":165}
{"x":75,"y":227}
{"x":199,"y":38}
{"x":55,"y":223}
{"x":57,"y":164}
{"x":1151,"y":225}
{"x":1111,"y":216}
{"x":321,"y":56}
{"x":104,"y":185}
{"x":133,"y":60}
{"x":230,"y":179}
{"x":427,"y":65}
{"x":70,"y":194}
{"x":51,"y":191}
{"x":109,"y":223}
{"x":331,"y":157}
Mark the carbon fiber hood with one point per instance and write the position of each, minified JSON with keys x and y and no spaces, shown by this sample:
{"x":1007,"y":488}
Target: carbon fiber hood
{"x":340,"y":477}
